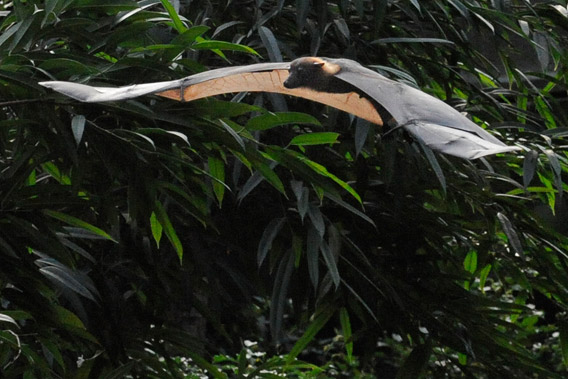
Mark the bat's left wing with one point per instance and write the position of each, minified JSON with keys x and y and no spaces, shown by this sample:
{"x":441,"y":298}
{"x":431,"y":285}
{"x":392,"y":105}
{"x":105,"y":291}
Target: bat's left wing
{"x":427,"y":118}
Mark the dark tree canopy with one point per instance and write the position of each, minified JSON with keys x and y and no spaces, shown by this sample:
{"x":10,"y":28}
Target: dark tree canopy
{"x":259,"y":234}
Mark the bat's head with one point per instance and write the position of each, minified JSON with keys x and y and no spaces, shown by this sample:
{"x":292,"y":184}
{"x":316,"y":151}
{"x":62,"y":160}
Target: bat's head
{"x":310,"y":72}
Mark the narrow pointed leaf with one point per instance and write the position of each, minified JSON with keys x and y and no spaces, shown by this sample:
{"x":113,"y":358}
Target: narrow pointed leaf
{"x":73,"y":221}
{"x":313,"y":245}
{"x":156,"y":228}
{"x":279,"y":292}
{"x":265,"y":244}
{"x":270,"y":120}
{"x":164,"y":220}
{"x":319,"y":321}
{"x":330,"y":262}
{"x":217,"y":170}
{"x":317,"y":218}
{"x":178,"y":24}
{"x":322,"y":138}
{"x":511,"y":234}
{"x":346,"y":329}
{"x":529,"y":167}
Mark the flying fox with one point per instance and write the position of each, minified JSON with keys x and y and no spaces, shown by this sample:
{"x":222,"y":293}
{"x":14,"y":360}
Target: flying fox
{"x":340,"y":83}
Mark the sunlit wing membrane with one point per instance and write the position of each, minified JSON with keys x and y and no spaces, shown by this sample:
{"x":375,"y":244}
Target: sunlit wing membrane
{"x":272,"y":81}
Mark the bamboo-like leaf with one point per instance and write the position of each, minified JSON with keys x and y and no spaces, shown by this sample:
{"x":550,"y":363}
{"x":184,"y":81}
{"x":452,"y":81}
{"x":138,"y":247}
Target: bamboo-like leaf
{"x":323,"y":138}
{"x":233,"y":133}
{"x":178,"y":24}
{"x":222,"y":45}
{"x":73,"y":221}
{"x":156,"y":228}
{"x":431,"y":157}
{"x":347,"y":336}
{"x":190,"y":35}
{"x":317,"y":219}
{"x":323,"y":171}
{"x":529,"y":167}
{"x":279,"y":292}
{"x":361,"y":133}
{"x":313,"y":245}
{"x":330,"y":262}
{"x":470,"y":262}
{"x":342,"y":27}
{"x":66,"y":278}
{"x":511,"y":234}
{"x":321,"y":318}
{"x":225,"y":26}
{"x":265,"y":244}
{"x":271,"y":120}
{"x":253,"y":182}
{"x":350,"y":208}
{"x":271,"y":177}
{"x":217,"y":170}
{"x":164,"y":220}
{"x":271,"y":44}
{"x":556,"y":169}
{"x":483,"y":274}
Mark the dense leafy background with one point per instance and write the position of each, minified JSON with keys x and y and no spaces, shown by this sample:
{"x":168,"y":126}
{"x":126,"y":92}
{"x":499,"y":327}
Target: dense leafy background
{"x":239,"y":236}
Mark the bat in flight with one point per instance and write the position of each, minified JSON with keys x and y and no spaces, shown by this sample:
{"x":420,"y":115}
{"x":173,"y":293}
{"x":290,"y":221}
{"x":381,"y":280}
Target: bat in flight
{"x":340,"y":83}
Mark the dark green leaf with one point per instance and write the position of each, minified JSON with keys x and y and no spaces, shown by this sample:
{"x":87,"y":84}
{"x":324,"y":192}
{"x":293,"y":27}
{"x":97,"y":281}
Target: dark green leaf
{"x":178,"y":24}
{"x":168,"y":228}
{"x":321,"y":318}
{"x":269,"y":41}
{"x":346,"y":329}
{"x":322,"y":138}
{"x":222,"y":45}
{"x":271,"y":231}
{"x":330,"y":262}
{"x":271,"y":120}
{"x":217,"y":171}
{"x":529,"y":167}
{"x":511,"y":234}
{"x":470,"y":262}
{"x":313,"y":245}
{"x":73,"y":221}
{"x":279,"y":292}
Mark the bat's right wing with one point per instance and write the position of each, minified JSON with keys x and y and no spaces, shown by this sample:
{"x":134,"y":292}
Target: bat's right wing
{"x":260,"y":77}
{"x":214,"y":82}
{"x":89,"y":94}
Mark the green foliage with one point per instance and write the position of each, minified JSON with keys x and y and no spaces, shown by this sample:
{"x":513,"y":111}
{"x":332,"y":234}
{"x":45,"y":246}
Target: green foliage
{"x":353,"y":249}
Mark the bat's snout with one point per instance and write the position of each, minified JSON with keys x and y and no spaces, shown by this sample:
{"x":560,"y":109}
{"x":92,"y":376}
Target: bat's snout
{"x":292,"y":81}
{"x":289,"y":84}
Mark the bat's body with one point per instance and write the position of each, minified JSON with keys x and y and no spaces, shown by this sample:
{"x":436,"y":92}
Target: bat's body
{"x":340,"y":83}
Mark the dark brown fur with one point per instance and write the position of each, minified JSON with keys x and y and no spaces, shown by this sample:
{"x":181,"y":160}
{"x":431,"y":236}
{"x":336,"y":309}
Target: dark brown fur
{"x":317,"y":74}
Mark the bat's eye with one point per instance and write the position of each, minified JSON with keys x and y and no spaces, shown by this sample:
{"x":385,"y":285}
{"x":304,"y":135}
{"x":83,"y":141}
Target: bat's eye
{"x":300,"y":68}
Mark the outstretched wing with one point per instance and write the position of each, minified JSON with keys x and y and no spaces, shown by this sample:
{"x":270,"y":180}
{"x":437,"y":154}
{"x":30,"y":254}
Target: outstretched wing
{"x":434,"y":122}
{"x":261,"y":77}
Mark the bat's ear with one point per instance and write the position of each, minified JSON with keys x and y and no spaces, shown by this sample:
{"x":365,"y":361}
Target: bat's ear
{"x":318,"y":63}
